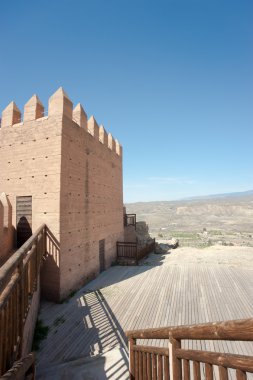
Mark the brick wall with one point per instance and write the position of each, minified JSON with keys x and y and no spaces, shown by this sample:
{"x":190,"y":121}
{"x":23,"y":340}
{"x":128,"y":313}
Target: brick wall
{"x":91,"y":204}
{"x":6,"y":228}
{"x":30,"y":156}
{"x":73,"y":171}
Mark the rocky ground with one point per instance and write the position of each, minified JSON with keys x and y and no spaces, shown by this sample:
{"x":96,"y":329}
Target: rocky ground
{"x":204,"y":238}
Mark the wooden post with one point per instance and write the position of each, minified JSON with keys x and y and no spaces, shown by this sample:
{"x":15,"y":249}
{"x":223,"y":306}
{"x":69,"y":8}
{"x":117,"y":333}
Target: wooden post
{"x":208,"y":371}
{"x":223,"y":372}
{"x":241,"y":375}
{"x":131,"y":343}
{"x":186,"y":366}
{"x":44,"y":241}
{"x":21,"y":305}
{"x":196,"y":370}
{"x":175,"y":363}
{"x":37,"y":263}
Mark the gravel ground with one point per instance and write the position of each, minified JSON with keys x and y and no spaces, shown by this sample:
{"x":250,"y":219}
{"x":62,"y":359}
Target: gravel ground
{"x":231,"y":256}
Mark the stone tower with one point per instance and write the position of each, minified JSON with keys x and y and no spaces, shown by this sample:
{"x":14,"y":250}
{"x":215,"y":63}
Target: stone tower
{"x":65,"y":171}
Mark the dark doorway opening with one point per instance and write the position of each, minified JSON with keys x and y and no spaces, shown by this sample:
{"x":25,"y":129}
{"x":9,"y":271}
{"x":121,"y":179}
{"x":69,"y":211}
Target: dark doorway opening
{"x":102,"y":255}
{"x":23,"y":219}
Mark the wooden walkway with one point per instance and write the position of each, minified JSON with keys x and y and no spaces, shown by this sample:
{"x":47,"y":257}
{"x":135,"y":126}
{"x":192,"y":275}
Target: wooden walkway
{"x":153,"y":294}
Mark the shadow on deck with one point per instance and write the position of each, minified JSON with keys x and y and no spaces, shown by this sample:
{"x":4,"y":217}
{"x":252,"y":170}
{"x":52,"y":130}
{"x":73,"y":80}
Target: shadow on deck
{"x":85,"y":338}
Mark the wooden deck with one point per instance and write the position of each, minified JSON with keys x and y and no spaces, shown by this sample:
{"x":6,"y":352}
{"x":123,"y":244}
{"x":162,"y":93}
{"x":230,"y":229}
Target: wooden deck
{"x":156,"y":293}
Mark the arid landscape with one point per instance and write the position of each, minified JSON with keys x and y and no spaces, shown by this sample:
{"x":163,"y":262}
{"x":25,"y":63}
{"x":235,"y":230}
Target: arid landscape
{"x":225,"y":220}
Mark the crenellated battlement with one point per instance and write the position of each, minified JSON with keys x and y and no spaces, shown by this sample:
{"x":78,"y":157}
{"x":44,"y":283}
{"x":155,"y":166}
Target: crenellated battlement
{"x":63,"y":169}
{"x":59,"y":106}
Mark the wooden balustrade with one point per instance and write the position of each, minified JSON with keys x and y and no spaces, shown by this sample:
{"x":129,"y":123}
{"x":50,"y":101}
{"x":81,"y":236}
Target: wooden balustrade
{"x":18,"y":282}
{"x":129,"y":250}
{"x":23,"y":368}
{"x":176,"y":363}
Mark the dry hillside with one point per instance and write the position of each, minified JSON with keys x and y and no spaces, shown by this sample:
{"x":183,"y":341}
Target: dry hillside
{"x":226,"y":220}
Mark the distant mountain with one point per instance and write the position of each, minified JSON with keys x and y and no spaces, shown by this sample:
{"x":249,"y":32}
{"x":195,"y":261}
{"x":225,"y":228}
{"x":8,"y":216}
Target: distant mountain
{"x":225,"y":195}
{"x":231,"y":211}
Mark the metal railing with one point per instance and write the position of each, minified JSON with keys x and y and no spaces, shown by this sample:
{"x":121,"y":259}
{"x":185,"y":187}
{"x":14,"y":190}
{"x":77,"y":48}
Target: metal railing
{"x":176,"y":363}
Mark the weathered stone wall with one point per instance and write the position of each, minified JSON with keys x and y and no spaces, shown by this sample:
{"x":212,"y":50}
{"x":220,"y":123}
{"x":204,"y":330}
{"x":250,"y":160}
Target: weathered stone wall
{"x":130,"y":234}
{"x":6,"y":228}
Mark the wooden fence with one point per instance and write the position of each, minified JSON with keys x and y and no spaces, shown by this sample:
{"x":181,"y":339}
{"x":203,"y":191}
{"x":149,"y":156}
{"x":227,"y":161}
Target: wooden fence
{"x":127,"y":250}
{"x":176,"y":363}
{"x":18,"y":282}
{"x":130,"y":251}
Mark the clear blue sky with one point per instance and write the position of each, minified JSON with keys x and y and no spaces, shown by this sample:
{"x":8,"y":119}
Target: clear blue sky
{"x":172,"y":80}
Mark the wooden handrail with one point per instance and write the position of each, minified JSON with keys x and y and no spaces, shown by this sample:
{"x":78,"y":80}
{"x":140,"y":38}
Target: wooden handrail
{"x":18,"y":281}
{"x":241,"y":329}
{"x":241,"y":362}
{"x":7,"y":269}
{"x":151,"y":349}
{"x":20,"y":368}
{"x":176,"y":361}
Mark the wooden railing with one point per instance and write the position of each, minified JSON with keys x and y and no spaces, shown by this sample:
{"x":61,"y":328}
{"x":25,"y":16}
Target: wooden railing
{"x":130,"y":220}
{"x":176,"y":363}
{"x":18,"y":281}
{"x":129,"y":250}
{"x":22,"y":369}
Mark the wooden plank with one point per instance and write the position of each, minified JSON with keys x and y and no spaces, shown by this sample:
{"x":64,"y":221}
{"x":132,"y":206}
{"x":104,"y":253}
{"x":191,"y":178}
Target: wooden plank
{"x":140,"y":361}
{"x":186,"y":369}
{"x":229,"y":330}
{"x":154,"y":367}
{"x":136,"y":354}
{"x":149,"y":366}
{"x":196,"y":371}
{"x":166,"y":368}
{"x":160,"y":367}
{"x":242,"y":362}
{"x":144,"y":365}
{"x":133,"y":295}
{"x":131,"y":343}
{"x":208,"y":371}
{"x":241,"y":375}
{"x":223,"y":372}
{"x":175,"y":360}
{"x":151,"y":349}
